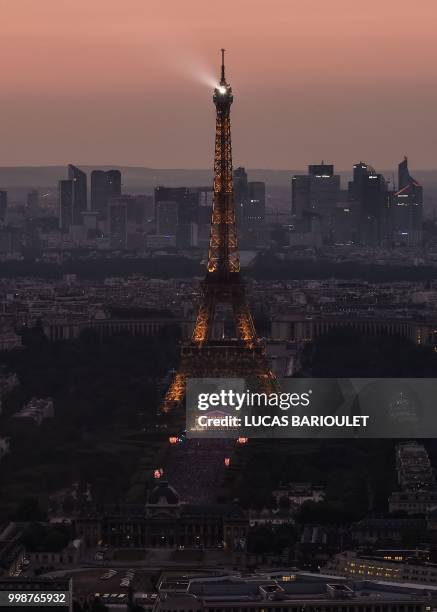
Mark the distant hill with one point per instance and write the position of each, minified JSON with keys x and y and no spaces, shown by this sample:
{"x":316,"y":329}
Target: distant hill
{"x":137,"y":176}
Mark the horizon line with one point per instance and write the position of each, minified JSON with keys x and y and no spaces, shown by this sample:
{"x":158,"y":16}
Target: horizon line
{"x":194,"y":169}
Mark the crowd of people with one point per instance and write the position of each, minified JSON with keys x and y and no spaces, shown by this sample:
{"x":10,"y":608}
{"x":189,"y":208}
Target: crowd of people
{"x":196,"y":468}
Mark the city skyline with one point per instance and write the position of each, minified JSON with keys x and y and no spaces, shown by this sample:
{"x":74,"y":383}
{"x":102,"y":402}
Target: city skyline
{"x":132,"y":85}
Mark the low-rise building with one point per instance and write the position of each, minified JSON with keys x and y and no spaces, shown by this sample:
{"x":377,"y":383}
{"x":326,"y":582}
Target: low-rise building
{"x":286,"y":592}
{"x":354,"y":565}
{"x":163,"y":522}
{"x":69,"y":556}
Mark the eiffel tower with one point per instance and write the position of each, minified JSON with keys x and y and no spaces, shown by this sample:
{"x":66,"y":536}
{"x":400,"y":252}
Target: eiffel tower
{"x":243,"y":356}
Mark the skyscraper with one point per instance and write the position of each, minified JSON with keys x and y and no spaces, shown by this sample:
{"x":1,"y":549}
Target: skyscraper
{"x":167,"y":218}
{"x":241,"y":193}
{"x":406,"y":209}
{"x":79,"y":193}
{"x":256,"y":206}
{"x":140,"y":209}
{"x":3,"y":205}
{"x":188,"y":211}
{"x":254,"y":215}
{"x":104,"y":186}
{"x":316,"y":193}
{"x":65,"y":204}
{"x":187,"y":200}
{"x":117,"y":221}
{"x":99,"y":192}
{"x":114,"y":183}
{"x":369,"y":194}
{"x":404,"y":177}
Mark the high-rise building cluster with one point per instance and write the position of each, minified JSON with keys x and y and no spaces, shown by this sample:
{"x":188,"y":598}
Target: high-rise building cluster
{"x":173,"y":217}
{"x":92,"y":210}
{"x":116,"y":220}
{"x":183,"y":215}
{"x":179,"y":215}
{"x":73,"y":196}
{"x":370,"y":212}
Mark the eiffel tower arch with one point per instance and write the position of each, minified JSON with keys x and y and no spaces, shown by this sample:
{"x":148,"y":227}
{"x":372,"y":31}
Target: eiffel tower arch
{"x":244,"y":355}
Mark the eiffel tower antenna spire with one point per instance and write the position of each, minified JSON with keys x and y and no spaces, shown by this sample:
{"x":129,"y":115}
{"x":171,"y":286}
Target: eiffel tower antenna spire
{"x":223,"y":78}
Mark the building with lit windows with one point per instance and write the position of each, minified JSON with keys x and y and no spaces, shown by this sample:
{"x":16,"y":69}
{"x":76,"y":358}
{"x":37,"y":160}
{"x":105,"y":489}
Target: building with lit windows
{"x":285,"y":591}
{"x":368,"y":191}
{"x":406,"y":209}
{"x":355,"y":565}
{"x":254,"y":216}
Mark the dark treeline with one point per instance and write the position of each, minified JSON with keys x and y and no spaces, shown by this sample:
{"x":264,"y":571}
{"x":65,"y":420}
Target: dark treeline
{"x":170,"y":266}
{"x":266,"y":267}
{"x":345,"y":353}
{"x":269,"y":267}
{"x":103,"y":389}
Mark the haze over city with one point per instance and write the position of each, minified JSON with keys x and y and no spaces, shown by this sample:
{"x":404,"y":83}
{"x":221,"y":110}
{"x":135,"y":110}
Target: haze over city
{"x":131,"y":82}
{"x":218,"y":306}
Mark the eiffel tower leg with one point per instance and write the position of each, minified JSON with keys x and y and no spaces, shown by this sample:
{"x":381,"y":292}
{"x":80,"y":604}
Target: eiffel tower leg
{"x":244,"y":322}
{"x":202,"y":328}
{"x":175,"y":393}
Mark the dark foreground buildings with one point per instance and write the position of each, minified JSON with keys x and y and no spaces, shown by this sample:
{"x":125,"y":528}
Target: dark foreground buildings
{"x":163,"y":522}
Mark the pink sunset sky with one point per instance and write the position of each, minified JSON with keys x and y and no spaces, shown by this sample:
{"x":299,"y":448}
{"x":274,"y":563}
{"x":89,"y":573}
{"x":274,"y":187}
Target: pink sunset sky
{"x":129,"y":81}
